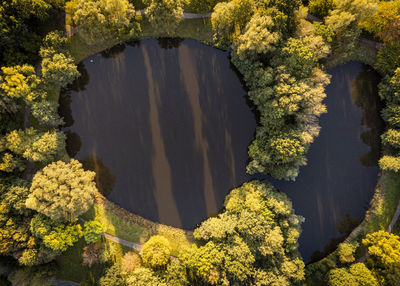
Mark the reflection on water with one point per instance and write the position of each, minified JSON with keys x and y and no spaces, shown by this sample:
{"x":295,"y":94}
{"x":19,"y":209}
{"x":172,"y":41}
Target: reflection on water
{"x":344,"y":227}
{"x":166,"y":126}
{"x":169,"y":120}
{"x":104,"y":179}
{"x":341,"y":173}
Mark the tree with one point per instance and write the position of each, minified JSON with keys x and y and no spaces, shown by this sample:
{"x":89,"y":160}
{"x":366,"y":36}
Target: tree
{"x":357,"y":275}
{"x":100,"y":20}
{"x":391,"y":138}
{"x":257,"y":38}
{"x":247,"y":242}
{"x":114,"y":276}
{"x":46,"y":147}
{"x":385,"y":22}
{"x":59,"y":70}
{"x":230,"y":18}
{"x":55,"y":235}
{"x":62,"y":191}
{"x":385,"y":247}
{"x":390,"y":163}
{"x":46,"y":113}
{"x":144,"y":277}
{"x":156,"y":252}
{"x":203,"y":6}
{"x":346,"y":252}
{"x":54,"y":43}
{"x":164,"y":15}
{"x":344,"y":21}
{"x":320,"y":8}
{"x":388,"y":58}
{"x":130,"y":261}
{"x":21,"y":82}
{"x":93,"y":230}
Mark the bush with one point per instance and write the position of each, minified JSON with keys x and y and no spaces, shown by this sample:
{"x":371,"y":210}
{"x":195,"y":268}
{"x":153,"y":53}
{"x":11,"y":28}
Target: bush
{"x":390,"y":163}
{"x":156,"y":252}
{"x":388,"y":58}
{"x":346,"y":252}
{"x":90,"y":254}
{"x":92,"y":231}
{"x":130,"y":261}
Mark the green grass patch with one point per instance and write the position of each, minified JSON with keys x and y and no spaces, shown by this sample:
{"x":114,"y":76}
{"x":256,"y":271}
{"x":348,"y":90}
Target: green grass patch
{"x":70,"y":268}
{"x":118,"y":227}
{"x":198,"y":29}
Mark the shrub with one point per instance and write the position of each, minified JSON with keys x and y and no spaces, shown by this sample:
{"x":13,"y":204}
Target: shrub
{"x":156,"y":252}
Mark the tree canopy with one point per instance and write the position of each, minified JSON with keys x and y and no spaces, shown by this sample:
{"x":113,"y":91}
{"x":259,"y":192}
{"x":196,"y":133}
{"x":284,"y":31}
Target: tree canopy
{"x":62,"y":191}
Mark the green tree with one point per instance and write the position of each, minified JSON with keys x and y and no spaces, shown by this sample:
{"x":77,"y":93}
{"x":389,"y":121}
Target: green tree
{"x":248,"y":240}
{"x":390,"y":163}
{"x":93,"y":230}
{"x":46,"y":147}
{"x":385,"y":247}
{"x":230,"y":18}
{"x":388,"y":58}
{"x":46,"y":113}
{"x":55,"y":235}
{"x":357,"y":275}
{"x":203,"y":6}
{"x":59,"y":70}
{"x":164,"y":15}
{"x":101,"y":20}
{"x":257,"y":38}
{"x":114,"y":276}
{"x":62,"y":191}
{"x":143,"y":277}
{"x":54,"y":43}
{"x":320,"y":8}
{"x":346,"y":252}
{"x":21,"y":82}
{"x":156,"y":252}
{"x":344,"y":21}
{"x":391,"y":138}
{"x":385,"y":22}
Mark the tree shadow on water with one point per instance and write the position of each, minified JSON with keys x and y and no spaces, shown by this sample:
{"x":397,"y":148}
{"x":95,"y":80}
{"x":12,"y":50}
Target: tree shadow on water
{"x":169,"y":43}
{"x":105,"y":181}
{"x":365,"y":95}
{"x":73,"y":143}
{"x":344,"y":227}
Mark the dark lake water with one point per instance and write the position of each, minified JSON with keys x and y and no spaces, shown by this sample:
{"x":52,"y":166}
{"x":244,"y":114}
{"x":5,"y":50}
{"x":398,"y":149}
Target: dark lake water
{"x":166,"y":126}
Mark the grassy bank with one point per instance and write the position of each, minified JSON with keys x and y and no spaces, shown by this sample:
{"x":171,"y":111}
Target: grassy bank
{"x":198,"y":29}
{"x":378,"y":217}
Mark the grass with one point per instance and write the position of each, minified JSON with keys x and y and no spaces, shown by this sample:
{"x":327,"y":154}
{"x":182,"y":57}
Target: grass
{"x":70,"y":266}
{"x":198,"y":29}
{"x":378,"y":217}
{"x":128,"y":226}
{"x":116,"y":226}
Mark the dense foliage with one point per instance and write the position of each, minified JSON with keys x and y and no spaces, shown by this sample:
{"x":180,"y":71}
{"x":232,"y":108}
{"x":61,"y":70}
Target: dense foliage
{"x":62,"y":191}
{"x":102,"y":20}
{"x":277,"y":51}
{"x":164,"y":15}
{"x":252,"y":242}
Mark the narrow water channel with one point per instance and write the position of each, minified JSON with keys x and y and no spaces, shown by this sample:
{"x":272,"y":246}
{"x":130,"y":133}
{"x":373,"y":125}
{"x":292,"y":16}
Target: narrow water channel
{"x":166,"y":126}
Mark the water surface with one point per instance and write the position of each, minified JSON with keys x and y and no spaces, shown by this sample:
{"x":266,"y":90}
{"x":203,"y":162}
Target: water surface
{"x":166,"y":126}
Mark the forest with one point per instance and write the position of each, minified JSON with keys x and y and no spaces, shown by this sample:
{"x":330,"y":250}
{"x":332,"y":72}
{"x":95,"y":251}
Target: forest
{"x":53,"y":220}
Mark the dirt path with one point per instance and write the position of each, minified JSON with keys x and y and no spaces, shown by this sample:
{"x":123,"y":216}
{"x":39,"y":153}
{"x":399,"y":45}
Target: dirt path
{"x":130,"y":244}
{"x":185,"y":15}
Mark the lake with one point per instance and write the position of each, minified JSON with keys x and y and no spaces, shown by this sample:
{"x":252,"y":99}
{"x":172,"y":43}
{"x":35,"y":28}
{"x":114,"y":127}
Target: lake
{"x":166,"y":125}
